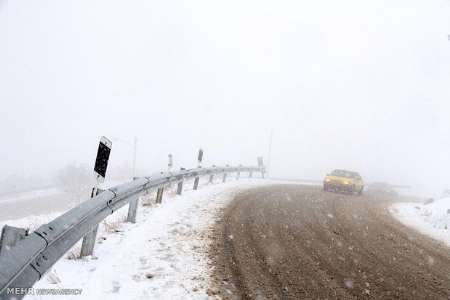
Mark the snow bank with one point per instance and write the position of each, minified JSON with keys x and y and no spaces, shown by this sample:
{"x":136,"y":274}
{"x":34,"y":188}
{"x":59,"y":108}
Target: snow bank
{"x":431,"y":218}
{"x":162,"y":256}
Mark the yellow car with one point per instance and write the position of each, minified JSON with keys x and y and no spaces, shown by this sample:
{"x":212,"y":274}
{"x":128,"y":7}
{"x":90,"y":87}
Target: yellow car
{"x":342,"y":180}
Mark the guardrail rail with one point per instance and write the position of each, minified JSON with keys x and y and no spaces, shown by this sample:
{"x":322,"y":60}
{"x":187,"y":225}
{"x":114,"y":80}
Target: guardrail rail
{"x":26,"y":257}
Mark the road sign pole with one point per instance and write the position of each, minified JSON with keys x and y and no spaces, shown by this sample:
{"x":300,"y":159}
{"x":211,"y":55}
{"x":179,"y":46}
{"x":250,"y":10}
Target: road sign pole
{"x":101,"y":165}
{"x":261,"y":166}
{"x":199,"y":159}
{"x":87,"y":246}
{"x":170,"y":163}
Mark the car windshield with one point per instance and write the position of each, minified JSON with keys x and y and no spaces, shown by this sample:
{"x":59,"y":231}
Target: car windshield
{"x":346,"y":174}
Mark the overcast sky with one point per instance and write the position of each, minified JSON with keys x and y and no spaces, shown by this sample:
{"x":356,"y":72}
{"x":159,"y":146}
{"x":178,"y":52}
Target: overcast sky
{"x":361,"y":85}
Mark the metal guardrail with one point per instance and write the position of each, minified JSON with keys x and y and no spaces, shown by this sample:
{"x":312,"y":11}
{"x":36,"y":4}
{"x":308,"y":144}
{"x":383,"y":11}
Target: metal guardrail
{"x":25,"y":262}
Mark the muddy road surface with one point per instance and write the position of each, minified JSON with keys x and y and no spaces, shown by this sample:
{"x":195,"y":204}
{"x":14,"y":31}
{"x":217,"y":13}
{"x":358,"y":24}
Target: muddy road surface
{"x":299,"y":242}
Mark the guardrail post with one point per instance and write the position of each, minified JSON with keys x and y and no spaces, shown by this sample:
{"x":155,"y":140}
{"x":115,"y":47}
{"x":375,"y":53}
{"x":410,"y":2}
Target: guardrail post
{"x":158,"y":191}
{"x":132,"y":210}
{"x":196,"y":180}
{"x":224,"y":178}
{"x":250,"y":174}
{"x":159,"y":195}
{"x":87,"y":246}
{"x":238,"y":175}
{"x":180,"y":188}
{"x":211,"y":179}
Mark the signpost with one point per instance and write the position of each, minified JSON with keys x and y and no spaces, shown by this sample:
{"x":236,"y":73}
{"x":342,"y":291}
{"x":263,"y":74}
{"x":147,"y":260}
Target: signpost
{"x":101,"y":165}
{"x":261,"y":165}
{"x":199,"y":159}
{"x":170,"y":164}
{"x":101,"y":162}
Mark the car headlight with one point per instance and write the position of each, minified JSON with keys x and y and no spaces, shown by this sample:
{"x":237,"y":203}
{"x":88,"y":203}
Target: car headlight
{"x":327,"y":179}
{"x":346,"y":182}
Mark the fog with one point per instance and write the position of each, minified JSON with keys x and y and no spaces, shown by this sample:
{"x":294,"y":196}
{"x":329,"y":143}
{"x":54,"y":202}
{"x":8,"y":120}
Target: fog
{"x":360,"y":85}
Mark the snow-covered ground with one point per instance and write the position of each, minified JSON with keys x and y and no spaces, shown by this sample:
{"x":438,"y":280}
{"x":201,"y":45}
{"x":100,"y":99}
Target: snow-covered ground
{"x":431,"y":217}
{"x":162,"y":256}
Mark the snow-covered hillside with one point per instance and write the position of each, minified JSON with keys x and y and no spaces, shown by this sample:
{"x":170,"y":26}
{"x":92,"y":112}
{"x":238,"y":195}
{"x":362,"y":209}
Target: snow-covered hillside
{"x":431,"y":217}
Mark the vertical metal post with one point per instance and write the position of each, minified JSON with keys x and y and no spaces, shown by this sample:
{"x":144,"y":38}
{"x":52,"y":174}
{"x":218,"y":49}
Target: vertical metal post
{"x":132,"y":210}
{"x":224,"y":177}
{"x":159,"y":195}
{"x":261,"y":166}
{"x":211,"y":179}
{"x":199,"y":160}
{"x":196,"y":180}
{"x":158,"y":191}
{"x":101,"y":165}
{"x":170,"y":164}
{"x":250,"y":174}
{"x":87,"y":246}
{"x":180,"y":188}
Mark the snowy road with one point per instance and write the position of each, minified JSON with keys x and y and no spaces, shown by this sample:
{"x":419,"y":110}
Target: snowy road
{"x":298,"y":242}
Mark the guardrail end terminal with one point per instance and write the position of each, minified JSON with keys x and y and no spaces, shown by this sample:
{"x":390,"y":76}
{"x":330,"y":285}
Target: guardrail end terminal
{"x":10,"y":236}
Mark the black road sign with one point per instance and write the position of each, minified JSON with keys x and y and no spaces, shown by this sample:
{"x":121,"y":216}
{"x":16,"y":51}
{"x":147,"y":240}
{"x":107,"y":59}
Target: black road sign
{"x":200,"y":155}
{"x":101,"y":162}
